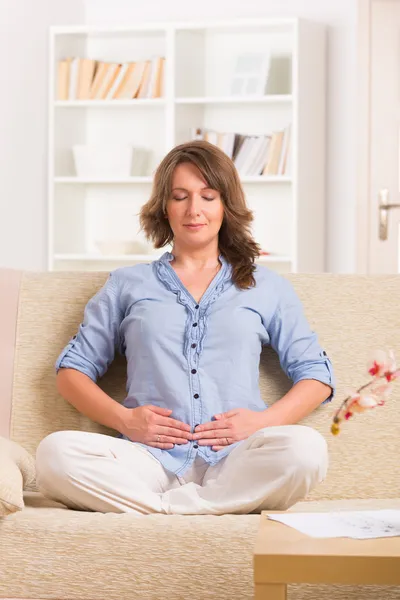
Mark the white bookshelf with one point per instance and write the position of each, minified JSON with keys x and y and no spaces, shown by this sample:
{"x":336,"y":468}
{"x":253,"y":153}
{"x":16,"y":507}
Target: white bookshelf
{"x":289,"y":210}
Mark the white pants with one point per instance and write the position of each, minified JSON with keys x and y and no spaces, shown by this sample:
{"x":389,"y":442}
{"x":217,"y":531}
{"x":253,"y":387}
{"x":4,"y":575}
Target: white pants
{"x":272,"y":469}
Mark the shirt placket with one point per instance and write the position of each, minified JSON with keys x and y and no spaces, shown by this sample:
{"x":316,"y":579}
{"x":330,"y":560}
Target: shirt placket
{"x":195,"y":333}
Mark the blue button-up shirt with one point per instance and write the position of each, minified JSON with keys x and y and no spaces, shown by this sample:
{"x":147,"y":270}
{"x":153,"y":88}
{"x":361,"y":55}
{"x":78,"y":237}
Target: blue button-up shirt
{"x":198,"y":359}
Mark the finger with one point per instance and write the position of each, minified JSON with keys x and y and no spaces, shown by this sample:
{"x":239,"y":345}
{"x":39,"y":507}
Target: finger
{"x":163,"y":441}
{"x":174,"y":440}
{"x":216,"y":448}
{"x":170,"y":422}
{"x":212,"y":433}
{"x":171,"y":431}
{"x":159,"y":445}
{"x":168,"y":439}
{"x":212,"y":425}
{"x":214,"y":442}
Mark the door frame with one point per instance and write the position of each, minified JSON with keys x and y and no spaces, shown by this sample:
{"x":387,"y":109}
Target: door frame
{"x":363,"y":134}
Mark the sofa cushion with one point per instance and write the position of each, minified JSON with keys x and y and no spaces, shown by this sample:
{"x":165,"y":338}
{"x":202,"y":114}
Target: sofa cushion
{"x":75,"y":555}
{"x":17,"y":471}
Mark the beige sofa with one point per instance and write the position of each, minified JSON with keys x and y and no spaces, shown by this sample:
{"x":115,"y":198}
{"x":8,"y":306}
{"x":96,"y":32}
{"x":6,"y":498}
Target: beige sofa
{"x":50,"y":552}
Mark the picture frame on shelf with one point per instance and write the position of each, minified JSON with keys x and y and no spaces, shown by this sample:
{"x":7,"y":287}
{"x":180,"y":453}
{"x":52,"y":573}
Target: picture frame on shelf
{"x":250,"y":74}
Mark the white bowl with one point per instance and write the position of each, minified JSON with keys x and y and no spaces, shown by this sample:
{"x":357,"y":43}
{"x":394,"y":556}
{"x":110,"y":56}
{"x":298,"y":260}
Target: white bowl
{"x":108,"y":160}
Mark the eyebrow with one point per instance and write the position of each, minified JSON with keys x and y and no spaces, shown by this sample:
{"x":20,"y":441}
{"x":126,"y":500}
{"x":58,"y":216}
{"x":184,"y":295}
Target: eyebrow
{"x":185,"y":190}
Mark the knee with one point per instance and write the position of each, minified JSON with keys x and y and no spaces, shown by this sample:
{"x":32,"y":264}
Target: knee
{"x":52,"y":459}
{"x":307,"y":452}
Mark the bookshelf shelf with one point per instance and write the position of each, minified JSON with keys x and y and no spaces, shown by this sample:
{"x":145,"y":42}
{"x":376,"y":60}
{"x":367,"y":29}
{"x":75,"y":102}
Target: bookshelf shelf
{"x":148,"y":102}
{"x":107,"y":257}
{"x":272,"y":99}
{"x":105,"y":181}
{"x":196,"y":96}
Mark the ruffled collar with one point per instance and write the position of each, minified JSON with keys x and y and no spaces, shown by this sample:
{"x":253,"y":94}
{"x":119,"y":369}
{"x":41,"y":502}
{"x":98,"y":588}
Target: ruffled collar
{"x":170,"y":278}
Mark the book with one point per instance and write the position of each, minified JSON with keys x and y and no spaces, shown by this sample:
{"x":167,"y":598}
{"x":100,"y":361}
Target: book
{"x":112,"y":92}
{"x":133,"y":81}
{"x":159,"y":83}
{"x":261,"y":158}
{"x":228,"y":143}
{"x":271,"y":168}
{"x":144,"y":83}
{"x":85,"y":77}
{"x":241,"y":155}
{"x":105,"y":85}
{"x":285,"y":150}
{"x":154,"y":76}
{"x":253,"y":150}
{"x":239,"y":139}
{"x":101,"y":71}
{"x":63,"y":69}
{"x":73,"y":79}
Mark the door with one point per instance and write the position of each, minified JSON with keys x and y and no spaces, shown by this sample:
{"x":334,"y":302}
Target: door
{"x":382,"y":221}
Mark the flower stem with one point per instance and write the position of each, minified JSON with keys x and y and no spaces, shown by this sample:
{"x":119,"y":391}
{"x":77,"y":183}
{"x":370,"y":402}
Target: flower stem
{"x":360,"y":389}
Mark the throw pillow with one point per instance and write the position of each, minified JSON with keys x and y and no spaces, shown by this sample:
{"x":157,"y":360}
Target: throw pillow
{"x":17,"y":470}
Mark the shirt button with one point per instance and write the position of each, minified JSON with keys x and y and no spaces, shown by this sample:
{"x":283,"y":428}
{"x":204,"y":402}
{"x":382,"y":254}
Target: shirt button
{"x":194,"y":324}
{"x":196,"y":396}
{"x":193,"y":371}
{"x":197,"y":306}
{"x":195,"y":446}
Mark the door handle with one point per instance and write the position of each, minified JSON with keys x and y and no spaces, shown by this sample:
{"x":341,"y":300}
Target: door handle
{"x":383,"y":207}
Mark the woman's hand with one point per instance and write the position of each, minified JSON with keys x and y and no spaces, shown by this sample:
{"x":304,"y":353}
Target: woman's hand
{"x":152,"y":425}
{"x":228,"y":428}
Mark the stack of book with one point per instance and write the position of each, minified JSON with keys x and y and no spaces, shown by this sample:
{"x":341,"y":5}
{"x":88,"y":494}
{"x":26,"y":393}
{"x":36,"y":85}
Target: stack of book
{"x":87,"y":79}
{"x":252,"y":155}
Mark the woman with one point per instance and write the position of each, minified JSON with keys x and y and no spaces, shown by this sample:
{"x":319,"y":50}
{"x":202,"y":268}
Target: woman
{"x":196,"y":437}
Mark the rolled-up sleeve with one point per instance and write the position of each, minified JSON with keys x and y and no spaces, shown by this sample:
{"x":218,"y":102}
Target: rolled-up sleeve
{"x":92,"y":349}
{"x":300,"y":355}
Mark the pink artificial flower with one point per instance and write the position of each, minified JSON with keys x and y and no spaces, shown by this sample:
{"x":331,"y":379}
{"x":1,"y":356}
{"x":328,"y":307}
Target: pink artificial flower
{"x":353,"y":405}
{"x":384,"y":371}
{"x":379,"y":364}
{"x":383,"y":365}
{"x":383,"y":390}
{"x":366,"y":402}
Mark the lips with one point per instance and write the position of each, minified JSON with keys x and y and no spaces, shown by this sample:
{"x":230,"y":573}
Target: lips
{"x":194,"y":225}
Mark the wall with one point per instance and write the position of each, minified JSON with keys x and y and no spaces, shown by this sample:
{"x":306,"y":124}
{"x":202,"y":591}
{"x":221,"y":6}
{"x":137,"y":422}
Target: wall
{"x":23,"y":141}
{"x":340,"y":17}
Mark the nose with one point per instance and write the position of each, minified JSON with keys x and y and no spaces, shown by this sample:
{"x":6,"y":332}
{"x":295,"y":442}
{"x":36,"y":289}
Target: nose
{"x":193,"y":205}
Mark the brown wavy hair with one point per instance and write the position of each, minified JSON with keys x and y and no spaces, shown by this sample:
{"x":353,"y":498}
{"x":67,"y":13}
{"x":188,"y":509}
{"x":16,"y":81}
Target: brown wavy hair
{"x":235,"y":241}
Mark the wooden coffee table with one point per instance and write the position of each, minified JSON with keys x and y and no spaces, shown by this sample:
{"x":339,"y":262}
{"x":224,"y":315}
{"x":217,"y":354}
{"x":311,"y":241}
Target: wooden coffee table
{"x":283,"y":555}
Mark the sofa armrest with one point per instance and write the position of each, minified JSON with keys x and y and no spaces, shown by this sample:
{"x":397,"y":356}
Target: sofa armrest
{"x":17,"y":471}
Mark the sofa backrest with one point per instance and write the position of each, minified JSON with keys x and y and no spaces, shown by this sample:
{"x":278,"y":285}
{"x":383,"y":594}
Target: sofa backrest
{"x":353,"y":315}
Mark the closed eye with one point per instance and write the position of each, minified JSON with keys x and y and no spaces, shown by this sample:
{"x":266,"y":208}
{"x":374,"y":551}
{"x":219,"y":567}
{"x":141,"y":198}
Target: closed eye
{"x":185,"y":197}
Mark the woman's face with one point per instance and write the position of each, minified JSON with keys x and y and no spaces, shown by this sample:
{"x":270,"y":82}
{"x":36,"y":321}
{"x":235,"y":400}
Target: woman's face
{"x":195,"y":211}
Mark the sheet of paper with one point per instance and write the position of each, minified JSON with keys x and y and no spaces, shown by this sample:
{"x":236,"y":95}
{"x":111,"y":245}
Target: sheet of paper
{"x":360,"y":524}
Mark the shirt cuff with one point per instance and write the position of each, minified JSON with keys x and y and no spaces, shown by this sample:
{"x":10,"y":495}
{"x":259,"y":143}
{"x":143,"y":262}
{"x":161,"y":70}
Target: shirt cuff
{"x":66,"y":361}
{"x":322,"y":372}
